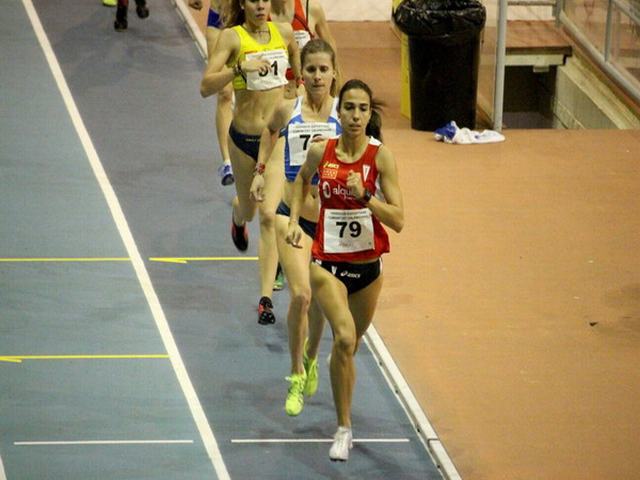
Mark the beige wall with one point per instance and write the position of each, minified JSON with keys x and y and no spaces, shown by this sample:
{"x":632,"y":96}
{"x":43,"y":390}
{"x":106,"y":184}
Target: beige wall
{"x":354,"y":10}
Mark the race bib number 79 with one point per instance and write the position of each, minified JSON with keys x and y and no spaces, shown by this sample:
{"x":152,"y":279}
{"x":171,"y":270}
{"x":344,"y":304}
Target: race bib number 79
{"x":347,"y":231}
{"x":275,"y":77}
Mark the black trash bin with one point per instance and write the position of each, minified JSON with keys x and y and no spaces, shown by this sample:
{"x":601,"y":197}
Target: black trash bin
{"x":444,"y":56}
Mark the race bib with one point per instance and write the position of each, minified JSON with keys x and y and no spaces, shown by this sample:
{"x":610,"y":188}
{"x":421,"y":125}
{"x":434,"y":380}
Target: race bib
{"x":275,"y":77}
{"x":302,"y":37}
{"x":300,"y":137}
{"x":347,"y":231}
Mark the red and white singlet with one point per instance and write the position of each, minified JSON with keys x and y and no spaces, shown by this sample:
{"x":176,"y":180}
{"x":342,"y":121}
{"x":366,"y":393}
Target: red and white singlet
{"x":347,"y":230}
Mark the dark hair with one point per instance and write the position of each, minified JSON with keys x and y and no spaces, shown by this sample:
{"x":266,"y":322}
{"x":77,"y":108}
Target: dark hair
{"x":374,"y":127}
{"x":232,"y":13}
{"x":318,"y":45}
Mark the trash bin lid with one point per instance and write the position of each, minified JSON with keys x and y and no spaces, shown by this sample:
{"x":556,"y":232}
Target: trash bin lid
{"x":435,"y":18}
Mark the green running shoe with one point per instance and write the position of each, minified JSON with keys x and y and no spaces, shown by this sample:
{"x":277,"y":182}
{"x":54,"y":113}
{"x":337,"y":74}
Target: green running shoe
{"x":278,"y":283}
{"x":295,"y":398}
{"x":311,"y":369}
{"x":109,"y":3}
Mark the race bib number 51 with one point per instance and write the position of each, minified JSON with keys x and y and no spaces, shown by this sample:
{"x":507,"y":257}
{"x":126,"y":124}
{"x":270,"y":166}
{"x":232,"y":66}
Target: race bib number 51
{"x":275,"y":76}
{"x":347,"y":231}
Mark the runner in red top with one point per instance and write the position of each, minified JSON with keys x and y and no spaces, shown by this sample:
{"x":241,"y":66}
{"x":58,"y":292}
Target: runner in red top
{"x":359,"y":193}
{"x":309,"y":21}
{"x":347,"y":231}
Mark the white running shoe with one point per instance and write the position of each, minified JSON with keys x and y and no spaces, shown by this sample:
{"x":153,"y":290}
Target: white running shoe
{"x":342,"y":443}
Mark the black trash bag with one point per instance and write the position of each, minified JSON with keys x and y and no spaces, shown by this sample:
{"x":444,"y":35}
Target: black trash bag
{"x":440,"y":18}
{"x":444,"y":54}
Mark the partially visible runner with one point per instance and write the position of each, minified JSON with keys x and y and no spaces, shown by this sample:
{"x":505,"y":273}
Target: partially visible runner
{"x":308,"y":21}
{"x":225,"y":96}
{"x":121,"y":23}
{"x":254,"y":54}
{"x":296,"y":123}
{"x":359,"y":192}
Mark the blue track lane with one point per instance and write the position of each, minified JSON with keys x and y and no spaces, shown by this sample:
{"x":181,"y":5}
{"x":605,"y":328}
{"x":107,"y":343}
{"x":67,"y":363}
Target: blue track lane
{"x":137,"y":93}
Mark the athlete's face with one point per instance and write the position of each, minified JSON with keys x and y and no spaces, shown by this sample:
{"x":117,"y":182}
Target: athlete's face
{"x":318,"y":73}
{"x":355,"y":111}
{"x":257,"y":11}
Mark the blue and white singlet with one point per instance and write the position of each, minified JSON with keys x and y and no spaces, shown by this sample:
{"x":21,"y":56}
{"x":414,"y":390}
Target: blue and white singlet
{"x":298,"y":135}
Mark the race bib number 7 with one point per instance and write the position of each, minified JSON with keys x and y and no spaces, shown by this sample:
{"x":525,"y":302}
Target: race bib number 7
{"x":301,"y":136}
{"x":347,"y":231}
{"x":275,"y":76}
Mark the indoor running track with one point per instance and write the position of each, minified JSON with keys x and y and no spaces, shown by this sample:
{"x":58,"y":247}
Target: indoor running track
{"x":129,"y":346}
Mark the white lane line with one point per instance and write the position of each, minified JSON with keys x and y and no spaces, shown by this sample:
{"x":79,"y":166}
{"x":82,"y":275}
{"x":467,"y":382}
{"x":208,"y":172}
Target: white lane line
{"x":102,"y":442}
{"x":3,"y":476}
{"x":192,"y":26}
{"x":409,"y":403}
{"x":195,"y":406}
{"x":317,"y":440}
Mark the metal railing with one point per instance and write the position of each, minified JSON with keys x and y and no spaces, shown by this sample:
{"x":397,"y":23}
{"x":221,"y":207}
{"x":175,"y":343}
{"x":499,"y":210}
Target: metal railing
{"x":616,"y":48}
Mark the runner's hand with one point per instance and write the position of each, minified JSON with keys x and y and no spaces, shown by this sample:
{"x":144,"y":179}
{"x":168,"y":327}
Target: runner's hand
{"x":260,"y":65}
{"x":294,"y":235}
{"x":257,"y":188}
{"x":354,"y":184}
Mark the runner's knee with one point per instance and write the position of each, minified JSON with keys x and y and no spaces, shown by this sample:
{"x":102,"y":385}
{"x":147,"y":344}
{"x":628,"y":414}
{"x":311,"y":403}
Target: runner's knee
{"x":345,"y":341}
{"x":300,"y":299}
{"x":267,"y":219}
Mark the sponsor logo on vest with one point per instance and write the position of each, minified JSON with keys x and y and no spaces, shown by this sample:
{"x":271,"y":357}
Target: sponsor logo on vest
{"x":329,"y":173}
{"x":326,"y":190}
{"x":365,"y":171}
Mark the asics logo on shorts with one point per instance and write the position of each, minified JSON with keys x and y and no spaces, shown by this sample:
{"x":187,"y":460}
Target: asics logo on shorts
{"x":347,"y":273}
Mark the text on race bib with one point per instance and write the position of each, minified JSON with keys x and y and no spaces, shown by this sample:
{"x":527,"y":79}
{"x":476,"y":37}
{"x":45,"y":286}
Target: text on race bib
{"x":275,"y":77}
{"x":301,"y":135}
{"x":302,"y":37}
{"x":347,"y":231}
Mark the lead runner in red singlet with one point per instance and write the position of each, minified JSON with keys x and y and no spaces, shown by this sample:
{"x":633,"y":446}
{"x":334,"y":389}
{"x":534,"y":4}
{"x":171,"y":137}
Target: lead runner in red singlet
{"x":359,"y":193}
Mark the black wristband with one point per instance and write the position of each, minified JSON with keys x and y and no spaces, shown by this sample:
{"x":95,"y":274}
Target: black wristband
{"x":366,"y":196}
{"x":237,"y":70}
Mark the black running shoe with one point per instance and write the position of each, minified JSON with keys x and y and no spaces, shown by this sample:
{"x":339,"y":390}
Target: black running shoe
{"x":265,"y":313}
{"x":240,"y":236}
{"x":141,"y":8}
{"x":121,"y":19}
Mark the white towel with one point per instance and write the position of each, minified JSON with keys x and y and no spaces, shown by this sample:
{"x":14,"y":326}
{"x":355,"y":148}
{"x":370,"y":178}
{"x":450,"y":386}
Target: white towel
{"x":451,"y":133}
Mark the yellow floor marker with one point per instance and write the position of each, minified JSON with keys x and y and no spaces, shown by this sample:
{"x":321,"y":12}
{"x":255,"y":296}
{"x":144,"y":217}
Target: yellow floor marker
{"x":64,"y":259}
{"x":201,"y":259}
{"x":21,"y":358}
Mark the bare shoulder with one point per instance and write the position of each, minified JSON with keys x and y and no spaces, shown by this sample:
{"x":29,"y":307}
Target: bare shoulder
{"x":285,"y":29}
{"x":282,"y":113}
{"x":384,"y":159}
{"x":316,"y":150}
{"x":315,"y":10}
{"x":229,"y":38}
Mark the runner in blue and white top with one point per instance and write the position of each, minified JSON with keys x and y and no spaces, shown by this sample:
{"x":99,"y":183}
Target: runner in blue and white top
{"x":299,"y":134}
{"x":289,"y":134}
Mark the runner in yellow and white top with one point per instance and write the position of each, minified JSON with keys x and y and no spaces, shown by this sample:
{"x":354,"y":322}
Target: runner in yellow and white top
{"x":253,"y":54}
